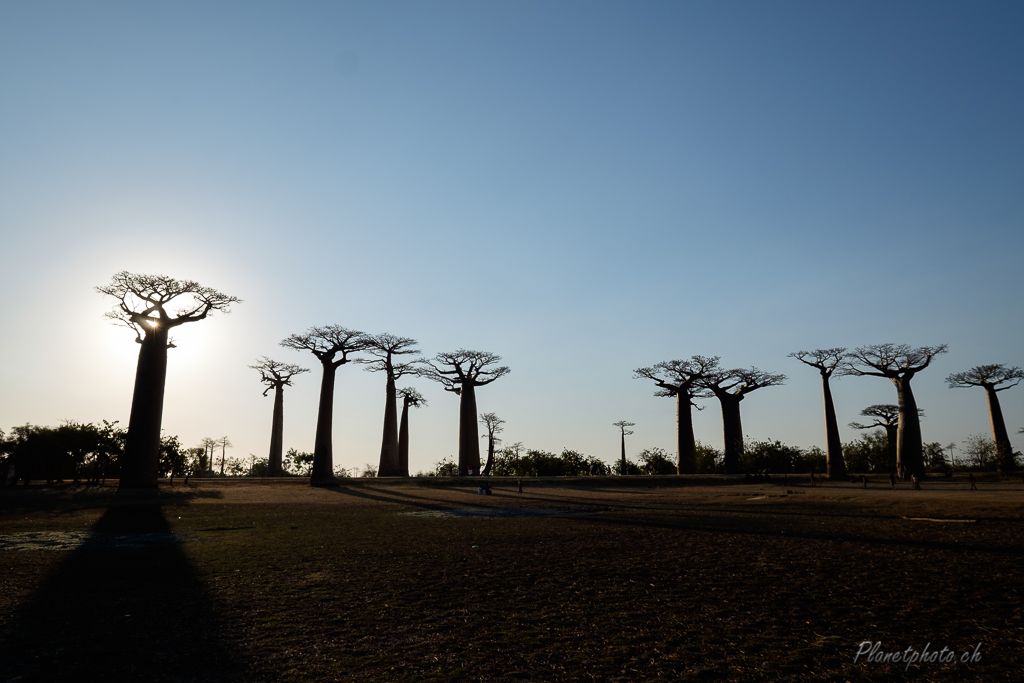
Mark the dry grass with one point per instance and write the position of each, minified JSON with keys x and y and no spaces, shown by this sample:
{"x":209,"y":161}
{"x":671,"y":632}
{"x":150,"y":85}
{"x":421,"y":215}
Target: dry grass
{"x":284,"y":582}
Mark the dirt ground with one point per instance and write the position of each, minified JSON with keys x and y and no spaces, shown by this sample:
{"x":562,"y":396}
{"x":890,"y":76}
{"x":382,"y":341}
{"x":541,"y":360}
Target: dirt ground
{"x":571,"y":580}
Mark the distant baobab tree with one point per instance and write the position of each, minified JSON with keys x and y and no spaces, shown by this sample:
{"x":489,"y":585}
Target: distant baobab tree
{"x":493,"y":425}
{"x":826,"y":361}
{"x":276,"y":376}
{"x":224,"y":444}
{"x":993,"y":379}
{"x":898,"y":363}
{"x":886,"y":416}
{"x":679,"y":378}
{"x":326,"y":343}
{"x":410,"y":399}
{"x":731,"y":387}
{"x":461,"y":372}
{"x":383,"y":348}
{"x":143,"y":304}
{"x":622,"y":425}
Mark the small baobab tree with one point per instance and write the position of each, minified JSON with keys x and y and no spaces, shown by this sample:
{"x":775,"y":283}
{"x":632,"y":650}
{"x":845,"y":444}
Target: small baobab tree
{"x":382,"y":349}
{"x":410,"y":399}
{"x":493,"y":424}
{"x":461,"y":372}
{"x":886,"y":416}
{"x":624,"y":430}
{"x":825,"y":361}
{"x":730,"y":387}
{"x":276,"y":376}
{"x":899,"y":363}
{"x":993,"y":379}
{"x":326,"y":343}
{"x":678,"y":378}
{"x":224,"y":443}
{"x":144,"y":304}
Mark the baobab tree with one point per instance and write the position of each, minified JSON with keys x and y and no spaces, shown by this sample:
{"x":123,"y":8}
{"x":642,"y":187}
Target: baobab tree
{"x":224,"y":443}
{"x":731,"y":387}
{"x":678,"y":378}
{"x":276,"y":376}
{"x":410,"y":399}
{"x":993,"y":379}
{"x":826,"y":361}
{"x":899,"y":363}
{"x":144,"y":304}
{"x":886,"y":416}
{"x":461,"y":372}
{"x":622,"y":425}
{"x":382,"y":349}
{"x":326,"y":343}
{"x":493,"y":425}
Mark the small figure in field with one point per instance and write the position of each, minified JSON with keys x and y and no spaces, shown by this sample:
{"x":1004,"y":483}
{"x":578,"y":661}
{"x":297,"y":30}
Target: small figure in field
{"x":864,"y":479}
{"x":917,"y":482}
{"x":813,"y":482}
{"x":892,"y":480}
{"x":974,"y":486}
{"x":520,"y":484}
{"x":186,"y":478}
{"x":767,"y":477}
{"x":484,"y":489}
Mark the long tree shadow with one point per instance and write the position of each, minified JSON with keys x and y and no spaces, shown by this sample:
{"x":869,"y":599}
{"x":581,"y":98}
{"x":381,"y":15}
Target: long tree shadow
{"x":125,"y":605}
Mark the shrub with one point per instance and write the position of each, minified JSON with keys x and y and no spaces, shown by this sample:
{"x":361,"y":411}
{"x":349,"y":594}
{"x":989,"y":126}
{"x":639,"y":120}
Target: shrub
{"x":657,"y":461}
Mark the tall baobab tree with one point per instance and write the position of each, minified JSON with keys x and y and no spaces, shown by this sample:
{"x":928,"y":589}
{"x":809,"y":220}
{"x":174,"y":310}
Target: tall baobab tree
{"x":224,"y":442}
{"x":276,"y":376}
{"x":899,"y":363}
{"x":825,"y":361}
{"x":410,"y":399}
{"x":493,"y":425}
{"x":622,"y":425}
{"x":678,"y":378}
{"x":144,"y":304}
{"x":731,"y":387}
{"x":993,"y":379}
{"x":382,"y":349}
{"x":461,"y":372}
{"x":326,"y":343}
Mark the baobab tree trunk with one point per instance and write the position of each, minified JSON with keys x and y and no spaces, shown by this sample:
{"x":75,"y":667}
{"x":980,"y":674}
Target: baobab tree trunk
{"x":623,"y":452}
{"x":403,"y":442}
{"x":274,"y":460}
{"x":686,"y":449}
{"x":141,"y":463}
{"x":732,"y":428}
{"x":836,"y":466}
{"x":389,"y":457}
{"x":322,"y":472}
{"x":1000,"y":437}
{"x":469,"y":437}
{"x":909,"y":449}
{"x":490,"y":455}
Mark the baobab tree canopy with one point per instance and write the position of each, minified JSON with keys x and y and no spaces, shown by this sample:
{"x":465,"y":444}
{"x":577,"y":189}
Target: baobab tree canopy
{"x":899,"y":363}
{"x":151,"y":306}
{"x":679,"y":379}
{"x":382,"y":349}
{"x":276,"y":376}
{"x":461,"y":372}
{"x":275,"y":373}
{"x":826,"y":361}
{"x":993,"y":379}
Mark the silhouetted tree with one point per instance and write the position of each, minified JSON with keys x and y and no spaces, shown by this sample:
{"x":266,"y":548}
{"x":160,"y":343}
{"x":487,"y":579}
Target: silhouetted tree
{"x":143,"y":303}
{"x":461,"y":372}
{"x":678,"y":378}
{"x":223,"y":442}
{"x":993,"y":379}
{"x":886,"y":416}
{"x":276,"y":376}
{"x":410,"y":399}
{"x":899,"y":363}
{"x":731,"y":387}
{"x":493,"y":425}
{"x":826,"y":361}
{"x":622,"y":424}
{"x":326,"y":343}
{"x":383,"y":348}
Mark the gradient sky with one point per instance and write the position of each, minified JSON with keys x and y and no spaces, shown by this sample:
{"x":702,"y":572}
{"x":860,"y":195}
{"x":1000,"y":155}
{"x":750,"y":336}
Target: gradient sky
{"x":580,"y":187}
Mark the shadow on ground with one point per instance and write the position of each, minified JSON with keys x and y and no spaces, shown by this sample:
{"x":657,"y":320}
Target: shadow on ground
{"x":125,"y":611}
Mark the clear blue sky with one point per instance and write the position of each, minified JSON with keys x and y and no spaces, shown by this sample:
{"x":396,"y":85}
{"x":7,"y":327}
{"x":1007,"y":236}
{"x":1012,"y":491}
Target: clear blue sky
{"x":582,"y":188}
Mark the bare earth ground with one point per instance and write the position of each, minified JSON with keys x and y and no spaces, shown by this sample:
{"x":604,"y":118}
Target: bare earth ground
{"x":569,"y":581}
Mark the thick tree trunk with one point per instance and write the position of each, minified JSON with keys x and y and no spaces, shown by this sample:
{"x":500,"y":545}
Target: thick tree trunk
{"x":403,"y":442}
{"x":274,"y":461}
{"x":836,"y":466}
{"x":891,"y":437}
{"x":322,"y":472}
{"x":686,"y":448}
{"x":1000,"y":437}
{"x":389,"y":459}
{"x":909,"y":448}
{"x":141,"y":462}
{"x":490,"y":455}
{"x":623,"y":470}
{"x":732,"y":428}
{"x":469,"y":437}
